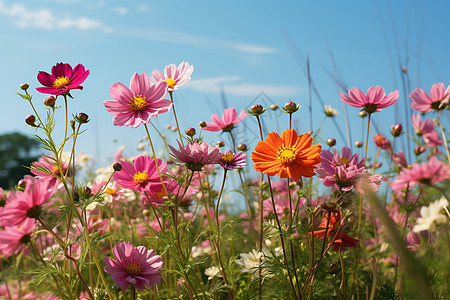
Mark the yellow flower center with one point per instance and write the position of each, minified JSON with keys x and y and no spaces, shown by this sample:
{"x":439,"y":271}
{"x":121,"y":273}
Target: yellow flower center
{"x":133,"y":269}
{"x":61,"y":82}
{"x":138,"y":103}
{"x":345,"y":161}
{"x":171,"y":82}
{"x":55,"y":169}
{"x":227,"y":158}
{"x":111,"y":191}
{"x":286,"y":154}
{"x":160,"y":194}
{"x":140,"y":177}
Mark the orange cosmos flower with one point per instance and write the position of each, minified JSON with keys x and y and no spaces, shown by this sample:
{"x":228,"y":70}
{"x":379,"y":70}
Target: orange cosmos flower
{"x":288,"y":156}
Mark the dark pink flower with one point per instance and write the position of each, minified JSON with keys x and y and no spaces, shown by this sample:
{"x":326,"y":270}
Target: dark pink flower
{"x":62,"y":80}
{"x":196,"y":155}
{"x":226,"y":124}
{"x":141,"y":175}
{"x":437,"y":99}
{"x":14,"y":239}
{"x":374,"y":100}
{"x":136,"y":265}
{"x":426,"y":130}
{"x":174,"y":76}
{"x":139,"y":103}
{"x":381,"y":141}
{"x":231,"y":161}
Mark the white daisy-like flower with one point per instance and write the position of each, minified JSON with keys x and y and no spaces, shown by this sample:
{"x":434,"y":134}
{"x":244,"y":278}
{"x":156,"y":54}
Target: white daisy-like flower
{"x":251,"y":261}
{"x":431,"y":215}
{"x":213,"y":272}
{"x":330,"y":111}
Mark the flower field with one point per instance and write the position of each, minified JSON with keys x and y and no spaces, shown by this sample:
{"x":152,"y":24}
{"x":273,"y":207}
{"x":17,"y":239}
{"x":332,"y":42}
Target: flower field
{"x":318,"y":222}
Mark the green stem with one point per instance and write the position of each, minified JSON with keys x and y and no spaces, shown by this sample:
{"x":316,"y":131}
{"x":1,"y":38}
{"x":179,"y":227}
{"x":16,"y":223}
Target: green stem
{"x":175,"y":116}
{"x":155,"y":159}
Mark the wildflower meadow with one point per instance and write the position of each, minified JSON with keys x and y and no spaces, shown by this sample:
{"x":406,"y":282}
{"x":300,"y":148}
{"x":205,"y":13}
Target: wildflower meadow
{"x":302,"y":219}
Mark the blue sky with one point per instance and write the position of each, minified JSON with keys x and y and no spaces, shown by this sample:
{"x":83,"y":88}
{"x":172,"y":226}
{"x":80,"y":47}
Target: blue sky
{"x":238,"y":48}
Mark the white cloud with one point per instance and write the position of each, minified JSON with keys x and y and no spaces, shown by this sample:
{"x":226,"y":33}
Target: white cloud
{"x":120,"y":10}
{"x":142,"y":7}
{"x":45,"y":19}
{"x":230,"y":87}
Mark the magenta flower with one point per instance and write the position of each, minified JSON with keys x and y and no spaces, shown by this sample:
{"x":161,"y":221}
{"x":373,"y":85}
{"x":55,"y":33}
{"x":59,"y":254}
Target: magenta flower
{"x":174,"y":76}
{"x":231,"y":161}
{"x":52,"y":173}
{"x":437,"y":99}
{"x":63,"y":79}
{"x":374,"y":100}
{"x":426,"y":130}
{"x":139,"y":103}
{"x":226,"y":124}
{"x":428,"y":172}
{"x":136,"y":265}
{"x":345,"y":171}
{"x":141,"y":175}
{"x":26,"y":204}
{"x":14,"y":239}
{"x":381,"y":141}
{"x":196,"y":155}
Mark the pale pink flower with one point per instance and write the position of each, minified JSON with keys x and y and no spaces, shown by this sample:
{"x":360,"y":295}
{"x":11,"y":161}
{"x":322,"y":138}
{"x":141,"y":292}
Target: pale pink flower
{"x":140,"y":175}
{"x":174,"y":76}
{"x":399,"y":159}
{"x":231,"y":161}
{"x":437,"y":99}
{"x":50,"y":170}
{"x":226,"y":124}
{"x":381,"y":141}
{"x":196,"y":155}
{"x":136,"y":265}
{"x":14,"y":239}
{"x":426,"y":130}
{"x":139,"y":103}
{"x":374,"y":100}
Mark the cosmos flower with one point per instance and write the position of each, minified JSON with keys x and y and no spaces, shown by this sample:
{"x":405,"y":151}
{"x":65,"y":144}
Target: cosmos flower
{"x":174,"y":76}
{"x":231,"y":161}
{"x":196,"y":155}
{"x":431,"y":215}
{"x":141,"y":175}
{"x":139,"y":103}
{"x":374,"y":100}
{"x":14,"y":239}
{"x":437,"y":99}
{"x":136,"y":265}
{"x":226,"y":124}
{"x":212,"y":272}
{"x":50,"y":172}
{"x":288,"y":156}
{"x":381,"y":141}
{"x":426,"y":130}
{"x":62,"y":80}
{"x":250,"y":262}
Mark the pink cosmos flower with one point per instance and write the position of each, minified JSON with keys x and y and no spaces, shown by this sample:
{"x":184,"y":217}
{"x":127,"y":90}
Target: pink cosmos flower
{"x":399,"y":159}
{"x":62,"y":80}
{"x":345,"y":171}
{"x":136,"y":265}
{"x":139,"y":103}
{"x":426,"y":129}
{"x":428,"y":172}
{"x":174,"y":76}
{"x":49,"y":163}
{"x":140,"y":175}
{"x":196,"y":155}
{"x":374,"y":100}
{"x":231,"y":161}
{"x":26,"y":204}
{"x":226,"y":124}
{"x":381,"y":141}
{"x":14,"y":239}
{"x":437,"y":99}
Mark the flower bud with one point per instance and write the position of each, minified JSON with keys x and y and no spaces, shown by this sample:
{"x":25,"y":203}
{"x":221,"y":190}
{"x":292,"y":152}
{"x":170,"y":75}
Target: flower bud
{"x":333,"y":268}
{"x":202,"y":124}
{"x":24,"y":86}
{"x":82,"y":118}
{"x":30,"y":119}
{"x":87,"y":191}
{"x":362,"y":114}
{"x":273,"y":107}
{"x":117,"y":167}
{"x":257,"y":109}
{"x":292,"y":184}
{"x":190,"y":131}
{"x":331,"y":142}
{"x":168,"y":126}
{"x":291,"y":107}
{"x":396,"y":130}
{"x":295,"y":236}
{"x":310,"y":132}
{"x":173,"y":128}
{"x":419,"y":150}
{"x":377,"y":165}
{"x":242,"y":147}
{"x":21,"y":185}
{"x":72,"y":124}
{"x":49,"y":101}
{"x":358,"y":144}
{"x":220,"y":143}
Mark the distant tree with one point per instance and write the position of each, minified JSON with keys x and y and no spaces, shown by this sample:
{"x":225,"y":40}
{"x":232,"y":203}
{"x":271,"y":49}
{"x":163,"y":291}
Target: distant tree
{"x":16,"y":152}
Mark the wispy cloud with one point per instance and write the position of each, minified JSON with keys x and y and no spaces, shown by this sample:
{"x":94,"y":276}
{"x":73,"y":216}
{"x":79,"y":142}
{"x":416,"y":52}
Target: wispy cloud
{"x":230,"y":85}
{"x":182,"y":38}
{"x":46,"y":19}
{"x":142,"y":7}
{"x":120,"y":10}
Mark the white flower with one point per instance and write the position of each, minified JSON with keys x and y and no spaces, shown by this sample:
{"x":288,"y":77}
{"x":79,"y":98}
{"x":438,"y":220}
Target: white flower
{"x":430,"y":216}
{"x":329,"y":111}
{"x":213,"y":272}
{"x":251,"y":261}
